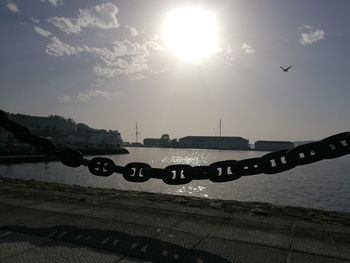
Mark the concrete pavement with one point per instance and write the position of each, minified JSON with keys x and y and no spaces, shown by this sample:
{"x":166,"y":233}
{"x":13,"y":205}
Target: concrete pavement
{"x":54,"y":225}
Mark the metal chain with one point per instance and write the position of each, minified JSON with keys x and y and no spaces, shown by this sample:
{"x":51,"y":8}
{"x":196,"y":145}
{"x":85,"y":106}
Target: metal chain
{"x":224,"y":171}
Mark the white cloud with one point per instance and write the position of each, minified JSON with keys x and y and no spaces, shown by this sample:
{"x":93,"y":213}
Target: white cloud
{"x":13,"y":8}
{"x":133,"y":31}
{"x":106,"y":72}
{"x":34,"y":20}
{"x":55,"y":3}
{"x":64,"y":99}
{"x":312,"y":35}
{"x":41,"y":31}
{"x":100,"y":16}
{"x":247,"y":49}
{"x":96,"y":93}
{"x":305,"y":27}
{"x":58,"y":48}
{"x":229,"y":54}
{"x":124,"y":58}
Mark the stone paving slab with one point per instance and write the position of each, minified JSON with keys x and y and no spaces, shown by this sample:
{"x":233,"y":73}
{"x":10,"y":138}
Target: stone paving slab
{"x":127,"y":201}
{"x":314,"y":242}
{"x":141,"y":215}
{"x":342,"y":244}
{"x":264,"y":234}
{"x":297,"y":257}
{"x":53,"y":206}
{"x":199,"y":225}
{"x":183,"y":239}
{"x":121,"y":213}
{"x":18,"y":215}
{"x":170,"y":206}
{"x":157,"y":218}
{"x":84,"y":224}
{"x":233,"y":251}
{"x":15,"y":243}
{"x":61,"y":252}
{"x":330,"y":228}
{"x":18,"y":201}
{"x":4,"y":207}
{"x":131,"y":260}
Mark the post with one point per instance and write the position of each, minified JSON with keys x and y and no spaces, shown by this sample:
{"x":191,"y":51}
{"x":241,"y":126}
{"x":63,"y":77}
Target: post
{"x":137,"y":133}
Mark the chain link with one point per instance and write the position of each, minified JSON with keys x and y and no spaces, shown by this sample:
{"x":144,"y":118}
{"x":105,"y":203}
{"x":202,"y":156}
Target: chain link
{"x":223,"y":171}
{"x":136,"y":176}
{"x":277,"y":162}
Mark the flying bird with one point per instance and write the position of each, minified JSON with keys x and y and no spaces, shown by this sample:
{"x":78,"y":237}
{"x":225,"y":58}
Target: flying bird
{"x":286,"y":69}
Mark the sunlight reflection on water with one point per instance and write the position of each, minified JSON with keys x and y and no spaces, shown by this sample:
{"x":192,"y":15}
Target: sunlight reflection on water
{"x":197,"y":191}
{"x":193,"y":159}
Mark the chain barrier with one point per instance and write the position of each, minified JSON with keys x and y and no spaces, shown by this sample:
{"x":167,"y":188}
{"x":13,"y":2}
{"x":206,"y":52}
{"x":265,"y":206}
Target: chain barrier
{"x":223,"y":171}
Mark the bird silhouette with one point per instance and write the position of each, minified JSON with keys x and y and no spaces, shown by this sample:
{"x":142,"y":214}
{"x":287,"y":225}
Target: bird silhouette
{"x":286,"y":69}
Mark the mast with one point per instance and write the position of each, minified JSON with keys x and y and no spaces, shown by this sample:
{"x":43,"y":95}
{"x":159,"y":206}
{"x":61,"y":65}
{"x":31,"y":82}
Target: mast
{"x":136,"y":133}
{"x":220,"y":128}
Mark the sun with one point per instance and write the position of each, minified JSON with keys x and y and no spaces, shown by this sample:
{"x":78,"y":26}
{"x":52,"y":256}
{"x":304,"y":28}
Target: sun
{"x":191,"y":34}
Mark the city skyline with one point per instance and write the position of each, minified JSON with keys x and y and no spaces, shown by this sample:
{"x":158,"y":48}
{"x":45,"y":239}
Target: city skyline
{"x":107,"y":64}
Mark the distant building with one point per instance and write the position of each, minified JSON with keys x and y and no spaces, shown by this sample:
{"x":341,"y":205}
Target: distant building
{"x":135,"y":144}
{"x":273,"y":145}
{"x":214,"y":142}
{"x":151,"y":142}
{"x":92,"y":138}
{"x":125,"y":144}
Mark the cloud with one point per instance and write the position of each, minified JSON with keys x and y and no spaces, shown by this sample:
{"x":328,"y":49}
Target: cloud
{"x":124,"y":58}
{"x":133,"y":31}
{"x":64,"y":99}
{"x":229,"y":54}
{"x":247,"y":49}
{"x":100,"y":16}
{"x":55,"y":3}
{"x":96,"y":93}
{"x":312,"y":35}
{"x":58,"y":48}
{"x":13,"y":8}
{"x":41,"y":31}
{"x":34,"y":20}
{"x":304,"y":27}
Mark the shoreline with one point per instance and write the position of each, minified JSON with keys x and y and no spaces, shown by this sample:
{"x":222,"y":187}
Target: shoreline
{"x":17,"y":159}
{"x":226,"y":208}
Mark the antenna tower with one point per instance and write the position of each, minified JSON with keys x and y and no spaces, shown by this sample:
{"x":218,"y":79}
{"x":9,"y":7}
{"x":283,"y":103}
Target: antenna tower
{"x":137,"y":133}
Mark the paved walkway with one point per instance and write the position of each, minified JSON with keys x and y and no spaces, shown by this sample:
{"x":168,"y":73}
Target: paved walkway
{"x":38,"y":225}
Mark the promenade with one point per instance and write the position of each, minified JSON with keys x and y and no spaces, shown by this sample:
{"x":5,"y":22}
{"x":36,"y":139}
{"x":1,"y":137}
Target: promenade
{"x":49,"y":222}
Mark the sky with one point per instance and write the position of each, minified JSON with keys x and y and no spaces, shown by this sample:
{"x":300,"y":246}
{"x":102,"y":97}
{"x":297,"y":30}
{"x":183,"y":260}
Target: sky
{"x":109,"y":64}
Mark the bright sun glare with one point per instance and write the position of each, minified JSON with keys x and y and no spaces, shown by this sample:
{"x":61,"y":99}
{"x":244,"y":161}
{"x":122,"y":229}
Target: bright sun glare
{"x":191,"y":33}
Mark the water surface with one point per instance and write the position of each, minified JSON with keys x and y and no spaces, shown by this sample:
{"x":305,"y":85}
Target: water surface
{"x":324,"y":185}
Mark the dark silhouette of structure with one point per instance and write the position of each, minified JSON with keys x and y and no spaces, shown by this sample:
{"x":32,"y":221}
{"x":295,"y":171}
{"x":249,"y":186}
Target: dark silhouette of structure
{"x":273,"y":145}
{"x":214,"y":142}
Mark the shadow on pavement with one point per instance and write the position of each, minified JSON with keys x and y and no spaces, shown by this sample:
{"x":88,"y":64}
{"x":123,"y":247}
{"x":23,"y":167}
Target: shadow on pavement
{"x":110,"y":240}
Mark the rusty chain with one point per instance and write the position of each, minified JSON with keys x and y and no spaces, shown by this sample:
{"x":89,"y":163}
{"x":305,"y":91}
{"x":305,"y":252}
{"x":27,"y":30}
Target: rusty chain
{"x":224,"y":171}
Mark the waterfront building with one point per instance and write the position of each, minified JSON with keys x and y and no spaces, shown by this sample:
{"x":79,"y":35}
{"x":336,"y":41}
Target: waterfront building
{"x":273,"y":145}
{"x":214,"y":142}
{"x":151,"y":142}
{"x":94,"y":137}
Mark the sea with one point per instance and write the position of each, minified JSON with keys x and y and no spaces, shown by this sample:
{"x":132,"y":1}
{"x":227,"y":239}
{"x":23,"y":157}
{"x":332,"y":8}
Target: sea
{"x":323,"y":185}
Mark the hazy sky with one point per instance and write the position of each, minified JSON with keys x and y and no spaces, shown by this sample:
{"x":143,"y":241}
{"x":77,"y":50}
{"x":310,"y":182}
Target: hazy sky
{"x":105,"y":63}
